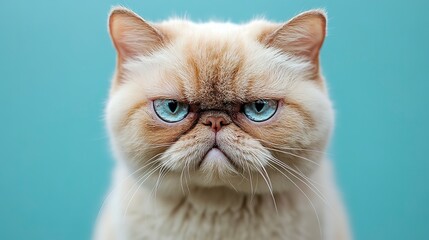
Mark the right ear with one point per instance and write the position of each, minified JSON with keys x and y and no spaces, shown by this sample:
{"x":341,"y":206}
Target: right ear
{"x":131,"y":35}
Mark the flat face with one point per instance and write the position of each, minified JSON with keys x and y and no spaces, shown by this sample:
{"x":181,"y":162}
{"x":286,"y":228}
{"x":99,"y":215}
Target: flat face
{"x":217,"y":103}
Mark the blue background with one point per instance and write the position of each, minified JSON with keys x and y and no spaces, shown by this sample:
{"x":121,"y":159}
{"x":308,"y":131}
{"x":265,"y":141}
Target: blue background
{"x":56,"y":60}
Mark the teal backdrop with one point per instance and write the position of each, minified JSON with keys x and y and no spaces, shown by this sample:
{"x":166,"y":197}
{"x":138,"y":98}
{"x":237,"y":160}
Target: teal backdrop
{"x":56,"y":60}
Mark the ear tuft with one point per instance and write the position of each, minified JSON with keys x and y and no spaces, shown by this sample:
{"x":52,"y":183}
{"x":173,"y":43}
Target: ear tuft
{"x":302,"y":36}
{"x":131,"y":35}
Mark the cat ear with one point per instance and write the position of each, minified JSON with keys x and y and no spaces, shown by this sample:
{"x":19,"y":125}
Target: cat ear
{"x":132,"y":35}
{"x":302,"y":36}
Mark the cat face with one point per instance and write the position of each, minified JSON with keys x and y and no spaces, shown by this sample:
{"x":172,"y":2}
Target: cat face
{"x":218,"y":104}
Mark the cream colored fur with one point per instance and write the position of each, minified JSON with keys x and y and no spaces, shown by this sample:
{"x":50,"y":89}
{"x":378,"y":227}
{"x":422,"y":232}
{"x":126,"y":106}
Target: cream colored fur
{"x":279,"y":186}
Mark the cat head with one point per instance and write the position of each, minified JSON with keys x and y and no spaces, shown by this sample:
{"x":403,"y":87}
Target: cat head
{"x":218,"y":104}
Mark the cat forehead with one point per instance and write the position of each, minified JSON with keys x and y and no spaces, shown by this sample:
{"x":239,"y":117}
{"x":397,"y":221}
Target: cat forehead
{"x":181,"y":27}
{"x":215,"y":68}
{"x":213,"y":65}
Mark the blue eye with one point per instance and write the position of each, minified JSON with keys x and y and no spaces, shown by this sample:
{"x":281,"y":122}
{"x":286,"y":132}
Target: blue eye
{"x":170,"y":110}
{"x":260,"y":110}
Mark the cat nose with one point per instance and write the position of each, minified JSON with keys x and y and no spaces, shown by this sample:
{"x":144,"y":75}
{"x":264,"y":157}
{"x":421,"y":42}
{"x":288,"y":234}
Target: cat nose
{"x":216,"y":122}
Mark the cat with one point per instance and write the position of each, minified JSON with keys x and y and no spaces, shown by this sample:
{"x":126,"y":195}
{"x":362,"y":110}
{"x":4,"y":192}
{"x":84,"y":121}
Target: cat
{"x":220,"y":131}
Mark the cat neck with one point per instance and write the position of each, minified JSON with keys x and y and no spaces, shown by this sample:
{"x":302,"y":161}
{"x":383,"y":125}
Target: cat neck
{"x":223,"y":199}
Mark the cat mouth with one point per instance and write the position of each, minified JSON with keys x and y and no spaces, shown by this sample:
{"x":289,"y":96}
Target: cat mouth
{"x":216,"y":156}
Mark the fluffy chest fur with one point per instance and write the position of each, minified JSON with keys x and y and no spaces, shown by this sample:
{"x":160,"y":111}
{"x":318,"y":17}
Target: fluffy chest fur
{"x":218,"y":213}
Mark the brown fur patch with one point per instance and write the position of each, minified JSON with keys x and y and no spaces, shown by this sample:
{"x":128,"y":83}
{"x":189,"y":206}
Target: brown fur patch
{"x":216,"y":69}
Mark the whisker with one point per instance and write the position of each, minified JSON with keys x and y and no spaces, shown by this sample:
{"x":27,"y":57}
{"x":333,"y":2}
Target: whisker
{"x":309,"y":179}
{"x":284,"y":166}
{"x":311,"y":203}
{"x":181,"y":179}
{"x":252,"y":191}
{"x":291,"y":171}
{"x":148,"y":175}
{"x":150,"y":162}
{"x":189,"y":176}
{"x":109,"y":195}
{"x":292,"y":154}
{"x":231,"y":185}
{"x":267,"y":180}
{"x":161,"y":176}
{"x":281,"y":147}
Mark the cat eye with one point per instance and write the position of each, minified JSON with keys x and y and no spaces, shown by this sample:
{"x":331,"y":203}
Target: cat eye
{"x":260,"y":110}
{"x":170,"y":110}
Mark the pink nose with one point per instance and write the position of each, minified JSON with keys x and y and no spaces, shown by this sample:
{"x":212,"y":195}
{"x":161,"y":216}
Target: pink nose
{"x":216,"y":122}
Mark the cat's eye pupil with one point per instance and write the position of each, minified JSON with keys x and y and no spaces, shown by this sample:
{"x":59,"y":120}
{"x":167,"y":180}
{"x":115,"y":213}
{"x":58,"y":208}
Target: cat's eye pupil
{"x":172,"y":105}
{"x":170,"y":110}
{"x":259,"y":105}
{"x":260,"y":110}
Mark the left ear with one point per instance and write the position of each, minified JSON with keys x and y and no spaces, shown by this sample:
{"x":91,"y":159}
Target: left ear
{"x":302,"y":36}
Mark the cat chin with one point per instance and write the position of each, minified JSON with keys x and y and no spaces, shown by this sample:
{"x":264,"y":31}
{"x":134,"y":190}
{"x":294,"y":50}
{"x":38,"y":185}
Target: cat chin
{"x":174,"y":184}
{"x":216,"y":164}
